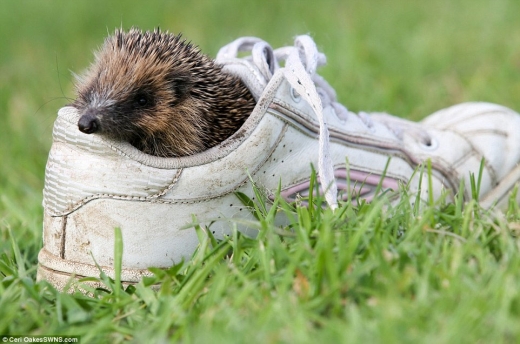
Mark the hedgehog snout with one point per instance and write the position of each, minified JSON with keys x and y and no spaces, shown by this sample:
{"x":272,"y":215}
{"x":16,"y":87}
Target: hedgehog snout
{"x":89,"y":122}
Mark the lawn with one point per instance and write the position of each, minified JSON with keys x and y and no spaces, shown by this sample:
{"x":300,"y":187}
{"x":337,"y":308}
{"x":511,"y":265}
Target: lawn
{"x":368,"y":273}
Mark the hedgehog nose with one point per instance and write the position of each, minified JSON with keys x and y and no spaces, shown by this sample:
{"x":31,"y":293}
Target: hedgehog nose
{"x":88,"y":122}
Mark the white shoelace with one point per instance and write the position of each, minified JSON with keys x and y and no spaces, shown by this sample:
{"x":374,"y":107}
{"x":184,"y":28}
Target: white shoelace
{"x":300,"y":67}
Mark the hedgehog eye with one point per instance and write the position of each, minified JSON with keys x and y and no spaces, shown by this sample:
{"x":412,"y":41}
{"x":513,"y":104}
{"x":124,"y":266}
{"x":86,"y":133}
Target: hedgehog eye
{"x":142,"y":99}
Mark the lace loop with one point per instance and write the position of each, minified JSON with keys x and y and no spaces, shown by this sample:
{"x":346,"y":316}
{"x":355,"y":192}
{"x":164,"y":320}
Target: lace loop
{"x":308,"y":53}
{"x":232,"y":49}
{"x":263,"y":58}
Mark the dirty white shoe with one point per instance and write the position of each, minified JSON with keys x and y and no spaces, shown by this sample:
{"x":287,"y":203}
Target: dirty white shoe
{"x":94,"y":184}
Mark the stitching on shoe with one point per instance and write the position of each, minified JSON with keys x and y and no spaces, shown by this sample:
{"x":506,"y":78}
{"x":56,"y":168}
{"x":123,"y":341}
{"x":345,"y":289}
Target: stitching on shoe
{"x":488,"y":131}
{"x":497,"y":108}
{"x":85,"y":200}
{"x":169,"y":187}
{"x":283,"y":107}
{"x":63,"y":237}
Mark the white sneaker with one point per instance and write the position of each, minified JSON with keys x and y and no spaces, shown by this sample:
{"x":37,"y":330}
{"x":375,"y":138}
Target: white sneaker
{"x":94,"y":184}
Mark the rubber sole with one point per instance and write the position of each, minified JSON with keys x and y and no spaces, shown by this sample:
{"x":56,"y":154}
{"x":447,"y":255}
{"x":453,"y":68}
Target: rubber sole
{"x":62,"y":273}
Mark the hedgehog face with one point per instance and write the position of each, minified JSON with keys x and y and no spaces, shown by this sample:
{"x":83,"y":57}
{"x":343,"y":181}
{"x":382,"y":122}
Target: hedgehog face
{"x":119,"y":104}
{"x":160,"y":94}
{"x":131,"y":81}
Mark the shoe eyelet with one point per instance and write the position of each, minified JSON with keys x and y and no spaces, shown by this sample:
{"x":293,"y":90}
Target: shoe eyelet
{"x":430,"y":145}
{"x":372,"y":128}
{"x":295,"y":95}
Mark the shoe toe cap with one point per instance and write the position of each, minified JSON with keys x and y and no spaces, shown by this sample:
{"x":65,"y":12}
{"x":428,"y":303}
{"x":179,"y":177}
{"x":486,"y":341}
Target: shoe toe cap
{"x":491,"y":130}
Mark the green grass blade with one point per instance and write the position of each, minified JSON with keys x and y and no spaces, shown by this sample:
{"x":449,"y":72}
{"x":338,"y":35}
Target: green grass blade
{"x":118,"y":259}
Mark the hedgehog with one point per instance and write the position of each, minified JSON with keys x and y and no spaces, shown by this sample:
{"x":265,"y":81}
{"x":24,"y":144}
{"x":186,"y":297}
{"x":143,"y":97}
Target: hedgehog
{"x":158,"y":92}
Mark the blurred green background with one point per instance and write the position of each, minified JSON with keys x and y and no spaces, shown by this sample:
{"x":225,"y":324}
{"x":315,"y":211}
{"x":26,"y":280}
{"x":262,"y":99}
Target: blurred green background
{"x":406,"y":57}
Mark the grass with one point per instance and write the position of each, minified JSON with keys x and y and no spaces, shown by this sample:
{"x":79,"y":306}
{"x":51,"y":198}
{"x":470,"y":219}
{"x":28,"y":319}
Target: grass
{"x":445,"y":273}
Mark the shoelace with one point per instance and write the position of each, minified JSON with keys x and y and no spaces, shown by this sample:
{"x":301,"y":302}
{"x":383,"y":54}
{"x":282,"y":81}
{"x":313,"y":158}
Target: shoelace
{"x":300,"y":78}
{"x":301,"y":62}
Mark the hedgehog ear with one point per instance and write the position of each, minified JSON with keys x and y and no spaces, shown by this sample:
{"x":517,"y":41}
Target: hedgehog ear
{"x":181,"y":85}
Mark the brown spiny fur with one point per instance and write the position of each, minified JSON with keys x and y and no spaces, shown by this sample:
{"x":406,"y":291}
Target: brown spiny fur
{"x":161,"y":94}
